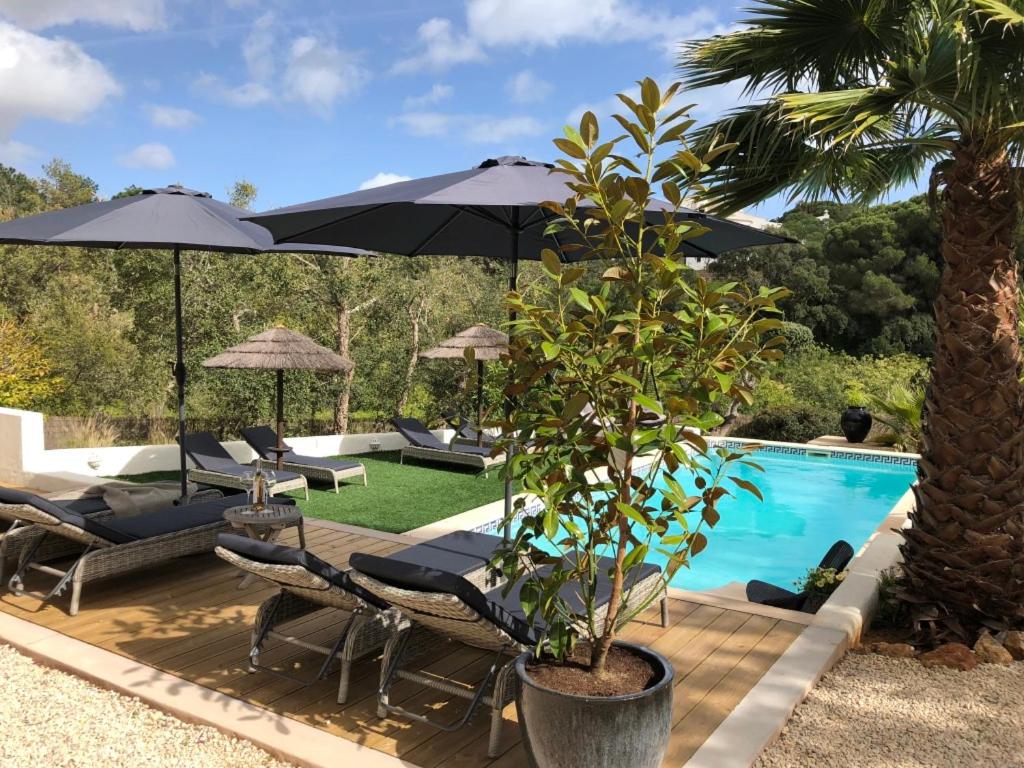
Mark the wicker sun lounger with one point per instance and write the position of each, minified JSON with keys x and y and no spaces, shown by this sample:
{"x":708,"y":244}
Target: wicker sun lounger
{"x":838,"y":557}
{"x":112,"y":545}
{"x":307,"y":585}
{"x":214,"y":465}
{"x":311,"y":467}
{"x":457,"y":607}
{"x":465,"y":433}
{"x":424,"y":445}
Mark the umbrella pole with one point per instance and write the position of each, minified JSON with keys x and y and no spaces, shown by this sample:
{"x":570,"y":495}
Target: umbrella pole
{"x":479,"y":402}
{"x":179,"y":372}
{"x":513,"y":280}
{"x":280,"y":418}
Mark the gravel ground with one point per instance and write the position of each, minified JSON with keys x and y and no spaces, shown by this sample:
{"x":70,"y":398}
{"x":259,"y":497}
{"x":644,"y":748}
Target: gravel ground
{"x":51,"y":719}
{"x":876,"y":712}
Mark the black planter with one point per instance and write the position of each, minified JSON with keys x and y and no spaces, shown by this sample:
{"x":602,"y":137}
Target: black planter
{"x":561,"y":730}
{"x":856,"y":423}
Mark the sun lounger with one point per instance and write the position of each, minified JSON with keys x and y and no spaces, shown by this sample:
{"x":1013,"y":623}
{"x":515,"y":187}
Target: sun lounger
{"x":262,"y":439}
{"x":838,"y":557}
{"x":112,"y":545}
{"x":306,"y":585}
{"x":214,"y":465}
{"x":458,"y":607}
{"x":465,"y":434}
{"x":424,"y":445}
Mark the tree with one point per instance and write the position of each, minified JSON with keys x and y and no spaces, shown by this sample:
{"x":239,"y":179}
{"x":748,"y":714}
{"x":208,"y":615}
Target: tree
{"x":27,"y":379}
{"x":580,"y":362}
{"x":856,"y":98}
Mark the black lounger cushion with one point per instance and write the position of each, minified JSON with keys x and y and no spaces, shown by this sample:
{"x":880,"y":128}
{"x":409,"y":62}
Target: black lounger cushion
{"x":263,"y":438}
{"x":416,"y":432}
{"x":65,"y":515}
{"x":763,"y":593}
{"x":278,"y":554}
{"x":183,"y":518}
{"x":418,"y":578}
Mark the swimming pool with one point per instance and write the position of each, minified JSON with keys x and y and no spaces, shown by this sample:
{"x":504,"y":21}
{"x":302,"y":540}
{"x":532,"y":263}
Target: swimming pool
{"x":810,"y":501}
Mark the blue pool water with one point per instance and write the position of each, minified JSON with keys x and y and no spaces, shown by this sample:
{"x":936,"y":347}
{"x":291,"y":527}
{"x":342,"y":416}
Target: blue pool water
{"x":809,"y":503}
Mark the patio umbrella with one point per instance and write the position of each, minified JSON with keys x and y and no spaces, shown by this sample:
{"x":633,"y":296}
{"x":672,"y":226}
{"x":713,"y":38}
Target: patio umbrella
{"x":173,"y":218}
{"x":280,"y":349}
{"x":492,"y":210}
{"x":487,"y":344}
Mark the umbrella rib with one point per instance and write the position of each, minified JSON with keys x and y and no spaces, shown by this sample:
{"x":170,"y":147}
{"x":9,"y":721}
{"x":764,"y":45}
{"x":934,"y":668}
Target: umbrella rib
{"x":483,"y":213}
{"x":430,"y":238}
{"x":296,"y":236}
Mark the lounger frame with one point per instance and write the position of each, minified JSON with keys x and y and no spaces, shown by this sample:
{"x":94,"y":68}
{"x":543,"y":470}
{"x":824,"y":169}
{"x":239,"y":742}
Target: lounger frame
{"x":302,"y":593}
{"x":226,"y":480}
{"x":449,"y":616}
{"x":482,"y":463}
{"x":325,"y":474}
{"x":101,"y":558}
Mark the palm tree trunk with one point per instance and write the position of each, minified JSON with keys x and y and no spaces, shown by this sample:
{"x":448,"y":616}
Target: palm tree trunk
{"x":964,"y":556}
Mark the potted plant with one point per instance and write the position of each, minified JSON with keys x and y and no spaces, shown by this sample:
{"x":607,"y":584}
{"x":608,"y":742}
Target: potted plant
{"x":855,"y":421}
{"x":818,"y":585}
{"x":614,"y":374}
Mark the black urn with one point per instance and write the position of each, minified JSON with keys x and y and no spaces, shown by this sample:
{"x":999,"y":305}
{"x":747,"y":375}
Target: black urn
{"x":856,"y":423}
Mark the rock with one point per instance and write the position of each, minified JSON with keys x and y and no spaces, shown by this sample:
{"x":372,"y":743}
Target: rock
{"x":954,"y":655}
{"x":989,"y":651}
{"x":1013,"y":641}
{"x":895,"y":650}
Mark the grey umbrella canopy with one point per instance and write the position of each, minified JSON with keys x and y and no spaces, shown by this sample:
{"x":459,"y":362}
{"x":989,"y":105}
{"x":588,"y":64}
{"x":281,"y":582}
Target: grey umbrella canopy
{"x":280,"y":349}
{"x":492,"y":210}
{"x":173,"y":218}
{"x":486,"y":344}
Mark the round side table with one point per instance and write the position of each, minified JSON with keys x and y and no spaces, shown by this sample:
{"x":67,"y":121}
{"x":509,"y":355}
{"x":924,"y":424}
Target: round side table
{"x":265,"y":525}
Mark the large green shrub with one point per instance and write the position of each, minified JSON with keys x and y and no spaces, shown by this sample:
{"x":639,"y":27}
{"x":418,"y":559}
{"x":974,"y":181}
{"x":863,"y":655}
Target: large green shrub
{"x":789,"y":424}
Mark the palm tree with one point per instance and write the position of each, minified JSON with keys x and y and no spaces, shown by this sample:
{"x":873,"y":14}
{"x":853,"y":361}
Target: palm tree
{"x":852,"y":98}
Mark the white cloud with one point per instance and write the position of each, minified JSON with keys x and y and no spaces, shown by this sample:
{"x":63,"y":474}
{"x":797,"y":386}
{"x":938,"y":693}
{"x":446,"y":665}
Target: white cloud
{"x":382,"y":179}
{"x":244,"y":95}
{"x":53,"y":79}
{"x":307,"y":70}
{"x":153,"y":156}
{"x":171,"y":117}
{"x":547,"y":23}
{"x":479,"y":129}
{"x":18,"y":154}
{"x":498,"y":130}
{"x":525,"y":87}
{"x":258,"y":48}
{"x":438,"y":93}
{"x":441,"y":48}
{"x":137,"y":15}
{"x":318,"y":74}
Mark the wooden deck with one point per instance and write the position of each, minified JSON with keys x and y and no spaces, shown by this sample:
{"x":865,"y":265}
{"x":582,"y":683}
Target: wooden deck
{"x":188,"y":618}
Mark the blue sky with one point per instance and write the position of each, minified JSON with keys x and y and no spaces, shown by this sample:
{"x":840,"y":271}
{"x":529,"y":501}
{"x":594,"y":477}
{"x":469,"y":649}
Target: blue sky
{"x":309,"y":98}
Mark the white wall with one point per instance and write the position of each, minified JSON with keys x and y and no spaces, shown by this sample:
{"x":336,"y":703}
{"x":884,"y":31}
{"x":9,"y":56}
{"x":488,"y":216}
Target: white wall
{"x":25,"y":462}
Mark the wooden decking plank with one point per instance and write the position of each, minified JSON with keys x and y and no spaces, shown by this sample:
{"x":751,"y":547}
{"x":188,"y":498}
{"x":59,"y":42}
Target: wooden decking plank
{"x":704,"y":717}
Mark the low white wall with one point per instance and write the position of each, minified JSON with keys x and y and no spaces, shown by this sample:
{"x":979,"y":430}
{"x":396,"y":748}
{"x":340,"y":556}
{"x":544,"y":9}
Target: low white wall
{"x":24,"y":461}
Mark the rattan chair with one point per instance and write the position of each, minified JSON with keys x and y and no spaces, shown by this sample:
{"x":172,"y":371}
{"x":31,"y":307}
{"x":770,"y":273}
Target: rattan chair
{"x":425,"y":446}
{"x":108,"y":545}
{"x":307,"y":584}
{"x":214,"y":465}
{"x":454,"y":607}
{"x":262,"y":439}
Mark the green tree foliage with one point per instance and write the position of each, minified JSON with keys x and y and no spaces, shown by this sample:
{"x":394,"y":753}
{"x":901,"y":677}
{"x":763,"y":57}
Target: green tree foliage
{"x":863,"y":280}
{"x":27,"y":377}
{"x":580,"y":361}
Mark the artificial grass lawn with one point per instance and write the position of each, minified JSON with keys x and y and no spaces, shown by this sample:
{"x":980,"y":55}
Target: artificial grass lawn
{"x":398,"y":497}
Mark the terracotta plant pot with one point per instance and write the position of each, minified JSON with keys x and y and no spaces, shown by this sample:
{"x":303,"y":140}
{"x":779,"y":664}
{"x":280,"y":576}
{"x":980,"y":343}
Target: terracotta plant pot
{"x":563,"y":730}
{"x":856,"y":423}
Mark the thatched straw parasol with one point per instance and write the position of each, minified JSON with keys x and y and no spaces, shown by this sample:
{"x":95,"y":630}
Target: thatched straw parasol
{"x":280,"y":349}
{"x":487,"y":344}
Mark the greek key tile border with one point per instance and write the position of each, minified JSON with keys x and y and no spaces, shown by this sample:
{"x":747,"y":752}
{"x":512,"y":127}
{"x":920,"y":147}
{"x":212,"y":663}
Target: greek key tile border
{"x":892,"y":459}
{"x":494,"y":526}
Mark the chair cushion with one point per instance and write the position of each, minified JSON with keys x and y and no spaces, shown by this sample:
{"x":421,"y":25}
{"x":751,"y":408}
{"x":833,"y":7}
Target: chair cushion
{"x":182,"y":518}
{"x":278,"y":554}
{"x":87,"y":505}
{"x":65,"y":515}
{"x":763,"y":593}
{"x":416,"y":432}
{"x":418,"y":578}
{"x":321,"y":462}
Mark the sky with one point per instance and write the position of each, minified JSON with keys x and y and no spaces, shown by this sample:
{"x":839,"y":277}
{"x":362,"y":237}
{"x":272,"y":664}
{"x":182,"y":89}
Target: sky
{"x":312,"y":98}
